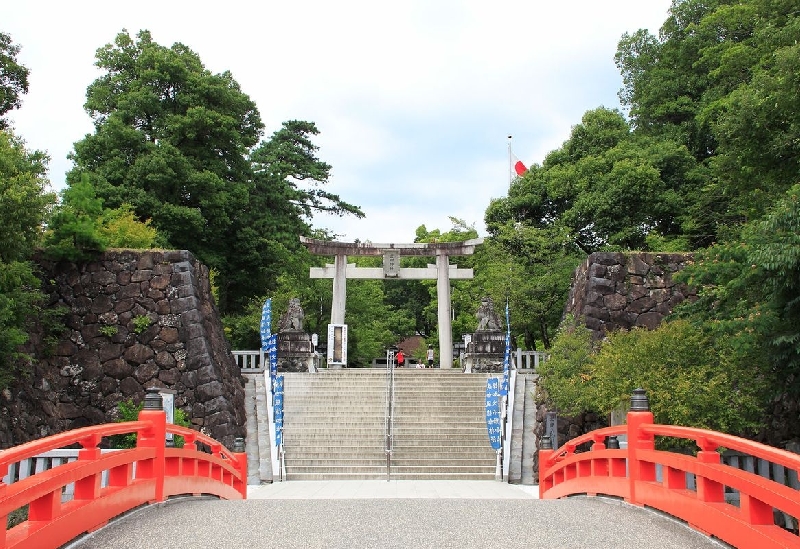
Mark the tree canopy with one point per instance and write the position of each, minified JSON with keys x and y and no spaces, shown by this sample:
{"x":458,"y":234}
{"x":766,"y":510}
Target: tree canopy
{"x":24,"y":203}
{"x":182,"y":146}
{"x":13,"y":78}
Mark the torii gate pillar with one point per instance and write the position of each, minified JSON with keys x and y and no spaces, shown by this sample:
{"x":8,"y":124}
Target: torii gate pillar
{"x":443,"y":272}
{"x":339,"y":289}
{"x":445,"y":318}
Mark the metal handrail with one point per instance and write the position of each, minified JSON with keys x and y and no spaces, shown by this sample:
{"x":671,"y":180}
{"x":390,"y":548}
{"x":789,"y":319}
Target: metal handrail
{"x":389,"y":419}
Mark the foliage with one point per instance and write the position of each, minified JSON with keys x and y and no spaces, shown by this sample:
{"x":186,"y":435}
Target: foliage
{"x":748,"y":294}
{"x":128,"y":410}
{"x":531,"y":267}
{"x":180,"y":145}
{"x":722,"y":79}
{"x":80,"y":227}
{"x":13,"y":78}
{"x":24,"y":198}
{"x":565,"y":375}
{"x":605,"y":188}
{"x":108,"y":330}
{"x":24,"y":203}
{"x":74,"y":231}
{"x":121,"y":229}
{"x":691,"y":378}
{"x":141,"y":323}
{"x":19,"y":298}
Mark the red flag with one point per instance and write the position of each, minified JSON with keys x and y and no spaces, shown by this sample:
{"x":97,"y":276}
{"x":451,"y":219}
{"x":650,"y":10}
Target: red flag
{"x":517,"y":167}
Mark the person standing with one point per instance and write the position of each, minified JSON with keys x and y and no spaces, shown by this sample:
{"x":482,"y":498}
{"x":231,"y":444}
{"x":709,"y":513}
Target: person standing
{"x":401,"y":358}
{"x":430,"y":356}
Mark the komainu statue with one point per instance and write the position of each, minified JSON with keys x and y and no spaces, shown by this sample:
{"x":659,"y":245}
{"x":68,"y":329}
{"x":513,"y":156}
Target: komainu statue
{"x":292,"y":320}
{"x":487,"y":318}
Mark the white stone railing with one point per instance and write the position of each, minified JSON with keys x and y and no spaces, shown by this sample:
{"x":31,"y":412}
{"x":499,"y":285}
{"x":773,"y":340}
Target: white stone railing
{"x":251,"y":362}
{"x":528,"y":360}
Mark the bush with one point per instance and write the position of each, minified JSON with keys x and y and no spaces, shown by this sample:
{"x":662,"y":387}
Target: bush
{"x":690,"y":378}
{"x":129,"y":411}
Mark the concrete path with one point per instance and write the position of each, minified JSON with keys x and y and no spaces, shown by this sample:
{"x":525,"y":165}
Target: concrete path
{"x":396,"y":514}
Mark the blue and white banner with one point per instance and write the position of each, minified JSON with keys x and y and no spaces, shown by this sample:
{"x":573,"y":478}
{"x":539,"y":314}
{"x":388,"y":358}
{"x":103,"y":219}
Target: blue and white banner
{"x":272,"y":351}
{"x":278,"y":405}
{"x":493,"y":425}
{"x":506,"y":356}
{"x":266,"y":324}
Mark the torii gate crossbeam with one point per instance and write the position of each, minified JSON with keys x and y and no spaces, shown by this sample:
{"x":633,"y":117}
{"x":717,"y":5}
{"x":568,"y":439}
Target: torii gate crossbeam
{"x":442,"y":271}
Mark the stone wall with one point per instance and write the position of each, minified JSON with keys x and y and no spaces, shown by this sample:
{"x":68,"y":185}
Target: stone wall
{"x":614,"y":290}
{"x":134,"y":320}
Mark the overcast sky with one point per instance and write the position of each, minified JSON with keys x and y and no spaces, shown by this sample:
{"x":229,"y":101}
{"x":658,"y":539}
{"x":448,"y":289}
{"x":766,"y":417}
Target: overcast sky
{"x":414,"y":99}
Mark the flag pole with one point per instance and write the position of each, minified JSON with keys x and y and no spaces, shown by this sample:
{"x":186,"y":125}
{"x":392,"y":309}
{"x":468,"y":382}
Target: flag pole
{"x":510,"y":164}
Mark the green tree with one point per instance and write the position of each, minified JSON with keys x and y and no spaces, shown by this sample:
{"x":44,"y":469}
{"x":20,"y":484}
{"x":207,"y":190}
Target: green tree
{"x":178,"y":144}
{"x":748,"y":294}
{"x":24,"y":204}
{"x":74,"y":232}
{"x":691,"y":378}
{"x":531,"y":268}
{"x":721,"y":79}
{"x":606,"y":187}
{"x":121,"y":229}
{"x":13,"y":78}
{"x":286,"y":192}
{"x":171,"y":140}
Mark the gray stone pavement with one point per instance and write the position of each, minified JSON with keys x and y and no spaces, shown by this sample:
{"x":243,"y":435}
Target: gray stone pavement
{"x":396,"y":514}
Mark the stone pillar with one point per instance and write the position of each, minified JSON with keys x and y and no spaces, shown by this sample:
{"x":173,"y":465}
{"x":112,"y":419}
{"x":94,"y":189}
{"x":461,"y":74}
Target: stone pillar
{"x":445,"y":321}
{"x":339,"y":289}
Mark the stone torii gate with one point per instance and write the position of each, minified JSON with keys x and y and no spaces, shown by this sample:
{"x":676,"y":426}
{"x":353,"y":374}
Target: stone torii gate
{"x":442,"y":271}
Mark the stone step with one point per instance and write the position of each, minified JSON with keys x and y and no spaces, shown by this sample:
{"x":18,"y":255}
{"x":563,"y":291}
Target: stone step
{"x":379,"y":460}
{"x":393,"y":476}
{"x":335,"y":425}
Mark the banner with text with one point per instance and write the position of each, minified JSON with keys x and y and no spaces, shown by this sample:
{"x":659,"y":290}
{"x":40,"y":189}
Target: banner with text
{"x":278,"y":410}
{"x":493,"y":412}
{"x":266,"y":324}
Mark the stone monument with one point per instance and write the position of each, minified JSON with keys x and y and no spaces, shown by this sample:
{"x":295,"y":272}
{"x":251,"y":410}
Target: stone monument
{"x":484,"y":352}
{"x":295,"y":353}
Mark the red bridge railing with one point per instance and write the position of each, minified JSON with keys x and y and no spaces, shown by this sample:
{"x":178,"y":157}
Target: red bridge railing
{"x":149,"y":473}
{"x":700,"y":490}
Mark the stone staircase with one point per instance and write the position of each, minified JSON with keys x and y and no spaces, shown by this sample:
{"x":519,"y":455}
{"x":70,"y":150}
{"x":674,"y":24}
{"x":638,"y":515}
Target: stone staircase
{"x":335,"y":425}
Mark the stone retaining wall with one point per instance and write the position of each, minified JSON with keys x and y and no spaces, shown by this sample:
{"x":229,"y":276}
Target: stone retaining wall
{"x":134,"y":320}
{"x":614,"y":290}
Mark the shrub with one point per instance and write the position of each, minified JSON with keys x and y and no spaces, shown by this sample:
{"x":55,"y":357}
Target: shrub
{"x":129,"y":411}
{"x":691,"y":379}
{"x":140,"y":323}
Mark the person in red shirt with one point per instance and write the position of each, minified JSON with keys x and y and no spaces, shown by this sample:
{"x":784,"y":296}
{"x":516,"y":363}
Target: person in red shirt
{"x":401,"y":358}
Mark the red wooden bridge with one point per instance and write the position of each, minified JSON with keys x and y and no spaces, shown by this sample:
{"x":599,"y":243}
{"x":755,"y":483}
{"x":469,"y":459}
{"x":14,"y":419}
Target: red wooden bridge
{"x":734,"y":502}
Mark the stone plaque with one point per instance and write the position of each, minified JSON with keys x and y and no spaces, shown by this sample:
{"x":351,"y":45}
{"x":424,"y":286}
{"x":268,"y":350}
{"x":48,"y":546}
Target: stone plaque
{"x":551,"y":427}
{"x":391,"y":263}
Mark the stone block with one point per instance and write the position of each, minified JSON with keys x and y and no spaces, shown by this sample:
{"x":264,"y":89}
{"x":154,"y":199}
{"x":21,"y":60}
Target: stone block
{"x":637,"y":266}
{"x":117,"y":368}
{"x":138,"y":353}
{"x":209,"y":391}
{"x":141,"y":275}
{"x":649,"y":320}
{"x":130,"y":387}
{"x":145,"y":372}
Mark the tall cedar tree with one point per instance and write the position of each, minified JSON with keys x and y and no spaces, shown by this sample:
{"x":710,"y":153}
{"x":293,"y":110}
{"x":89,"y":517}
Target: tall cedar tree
{"x":175,"y":141}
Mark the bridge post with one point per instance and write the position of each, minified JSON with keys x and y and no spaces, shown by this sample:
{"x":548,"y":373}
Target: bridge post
{"x":545,"y":451}
{"x":154,"y":437}
{"x":239,"y":452}
{"x":639,"y":415}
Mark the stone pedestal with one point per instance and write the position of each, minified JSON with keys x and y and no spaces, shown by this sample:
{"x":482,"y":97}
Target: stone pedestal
{"x":485,"y":352}
{"x":295,"y":352}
